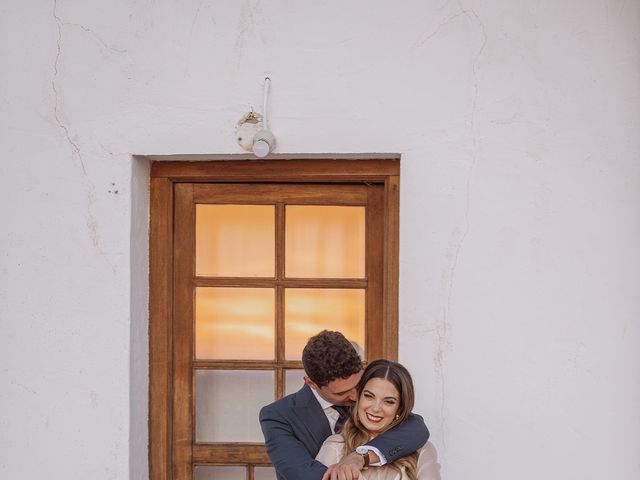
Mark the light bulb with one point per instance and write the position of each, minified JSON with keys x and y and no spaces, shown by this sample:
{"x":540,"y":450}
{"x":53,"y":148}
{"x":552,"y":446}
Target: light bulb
{"x":261,"y":148}
{"x":263,"y":143}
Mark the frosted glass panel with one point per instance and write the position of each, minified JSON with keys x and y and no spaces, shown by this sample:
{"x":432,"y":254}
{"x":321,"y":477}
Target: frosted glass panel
{"x":228,"y":403}
{"x":293,"y":381}
{"x":221,"y":473}
{"x":264,"y":473}
{"x":309,"y":310}
{"x":235,"y":240}
{"x":324,"y":242}
{"x":235,"y":323}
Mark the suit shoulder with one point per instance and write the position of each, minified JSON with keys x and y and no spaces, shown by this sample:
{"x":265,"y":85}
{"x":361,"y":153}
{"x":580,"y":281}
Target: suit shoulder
{"x":278,"y":406}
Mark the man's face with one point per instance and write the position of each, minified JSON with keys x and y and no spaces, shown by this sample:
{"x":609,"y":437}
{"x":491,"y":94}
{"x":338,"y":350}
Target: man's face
{"x":341,"y":391}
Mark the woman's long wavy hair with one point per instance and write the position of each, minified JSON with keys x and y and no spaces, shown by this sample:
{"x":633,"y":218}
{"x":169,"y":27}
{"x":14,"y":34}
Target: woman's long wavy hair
{"x":355,"y":434}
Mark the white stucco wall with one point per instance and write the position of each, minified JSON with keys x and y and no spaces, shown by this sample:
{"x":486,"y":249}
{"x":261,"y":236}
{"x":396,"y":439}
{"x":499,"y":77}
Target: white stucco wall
{"x":518,"y":123}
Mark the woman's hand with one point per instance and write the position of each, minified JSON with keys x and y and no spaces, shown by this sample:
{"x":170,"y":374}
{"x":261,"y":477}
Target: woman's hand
{"x":347,"y":469}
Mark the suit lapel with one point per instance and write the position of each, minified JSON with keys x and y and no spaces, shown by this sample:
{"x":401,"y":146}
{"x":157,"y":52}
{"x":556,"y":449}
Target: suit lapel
{"x":311,"y":415}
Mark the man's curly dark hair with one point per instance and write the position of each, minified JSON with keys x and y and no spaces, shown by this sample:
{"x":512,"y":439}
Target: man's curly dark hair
{"x":329,"y":355}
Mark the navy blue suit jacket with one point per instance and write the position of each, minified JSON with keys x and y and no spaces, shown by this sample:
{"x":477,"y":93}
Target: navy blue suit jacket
{"x":295,"y":427}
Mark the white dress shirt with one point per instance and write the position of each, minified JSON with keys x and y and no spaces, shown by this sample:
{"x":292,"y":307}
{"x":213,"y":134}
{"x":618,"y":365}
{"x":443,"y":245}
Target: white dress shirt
{"x":333,"y":415}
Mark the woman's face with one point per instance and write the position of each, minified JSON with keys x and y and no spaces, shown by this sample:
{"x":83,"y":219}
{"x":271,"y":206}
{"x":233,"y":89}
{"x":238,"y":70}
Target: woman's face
{"x":378,"y":404}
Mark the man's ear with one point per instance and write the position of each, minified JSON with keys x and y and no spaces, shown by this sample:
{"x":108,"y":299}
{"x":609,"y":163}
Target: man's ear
{"x":310,"y":382}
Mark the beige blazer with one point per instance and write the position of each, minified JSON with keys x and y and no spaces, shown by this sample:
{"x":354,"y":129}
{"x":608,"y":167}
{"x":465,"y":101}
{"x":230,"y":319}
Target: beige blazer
{"x":332,"y":451}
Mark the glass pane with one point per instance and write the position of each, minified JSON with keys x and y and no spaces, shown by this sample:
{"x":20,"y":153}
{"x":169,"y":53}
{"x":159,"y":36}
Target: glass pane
{"x":264,"y":473}
{"x":324,"y":242}
{"x":235,"y":240}
{"x":220,"y":473}
{"x":228,"y":320}
{"x":309,"y":310}
{"x":293,"y":380}
{"x":228,"y":402}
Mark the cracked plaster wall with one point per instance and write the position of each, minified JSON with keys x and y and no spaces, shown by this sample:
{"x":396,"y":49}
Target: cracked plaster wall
{"x":518,"y":127}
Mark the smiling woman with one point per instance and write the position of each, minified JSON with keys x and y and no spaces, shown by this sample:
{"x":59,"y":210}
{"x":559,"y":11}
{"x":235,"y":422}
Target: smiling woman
{"x":385,"y":398}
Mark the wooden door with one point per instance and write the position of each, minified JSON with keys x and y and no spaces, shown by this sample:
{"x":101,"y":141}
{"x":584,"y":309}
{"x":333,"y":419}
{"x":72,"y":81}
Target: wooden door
{"x":257,"y":268}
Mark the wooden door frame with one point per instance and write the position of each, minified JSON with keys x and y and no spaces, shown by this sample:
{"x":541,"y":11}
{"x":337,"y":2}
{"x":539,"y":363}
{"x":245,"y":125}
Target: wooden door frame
{"x":164,"y":176}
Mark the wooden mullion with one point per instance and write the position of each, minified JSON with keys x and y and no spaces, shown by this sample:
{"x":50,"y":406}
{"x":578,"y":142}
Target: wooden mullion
{"x":287,"y":283}
{"x":280,"y":289}
{"x":279,"y":390}
{"x":235,"y":282}
{"x":246,"y":364}
{"x":291,"y":364}
{"x":280,"y":241}
{"x":324,"y":283}
{"x":280,"y":297}
{"x":279,"y":324}
{"x":374,"y":250}
{"x":234,"y":364}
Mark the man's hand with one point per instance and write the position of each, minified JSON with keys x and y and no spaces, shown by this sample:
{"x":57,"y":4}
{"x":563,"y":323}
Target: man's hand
{"x":347,"y":469}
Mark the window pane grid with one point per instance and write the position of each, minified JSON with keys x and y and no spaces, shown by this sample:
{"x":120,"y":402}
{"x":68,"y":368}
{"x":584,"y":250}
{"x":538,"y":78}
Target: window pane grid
{"x":281,"y":284}
{"x":286,"y":368}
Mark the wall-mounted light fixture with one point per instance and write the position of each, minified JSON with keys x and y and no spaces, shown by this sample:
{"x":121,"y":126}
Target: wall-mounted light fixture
{"x":263,"y":143}
{"x":253,"y":132}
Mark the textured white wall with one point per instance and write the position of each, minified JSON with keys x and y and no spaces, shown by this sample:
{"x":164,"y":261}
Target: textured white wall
{"x":518,"y":124}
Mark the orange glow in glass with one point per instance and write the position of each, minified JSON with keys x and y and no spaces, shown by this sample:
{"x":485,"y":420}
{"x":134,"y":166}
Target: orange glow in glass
{"x":235,"y":240}
{"x":310,"y":310}
{"x":325,"y":242}
{"x":235,"y":323}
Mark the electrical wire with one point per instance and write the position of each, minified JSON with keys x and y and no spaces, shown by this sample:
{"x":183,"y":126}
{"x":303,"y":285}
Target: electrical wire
{"x":265,"y":117}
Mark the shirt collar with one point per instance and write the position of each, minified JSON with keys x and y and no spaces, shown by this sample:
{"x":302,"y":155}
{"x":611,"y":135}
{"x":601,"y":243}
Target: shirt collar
{"x":323,"y":403}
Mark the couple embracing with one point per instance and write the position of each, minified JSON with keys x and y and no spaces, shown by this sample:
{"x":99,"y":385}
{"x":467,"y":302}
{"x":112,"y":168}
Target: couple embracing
{"x":347,"y":423}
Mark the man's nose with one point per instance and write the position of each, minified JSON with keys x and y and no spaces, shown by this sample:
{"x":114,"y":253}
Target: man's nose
{"x":352,"y":395}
